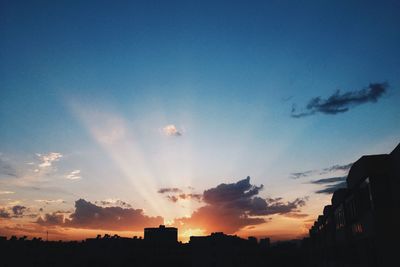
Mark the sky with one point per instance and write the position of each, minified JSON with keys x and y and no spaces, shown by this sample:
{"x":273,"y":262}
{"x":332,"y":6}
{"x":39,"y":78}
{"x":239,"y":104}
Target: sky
{"x":233,"y":116}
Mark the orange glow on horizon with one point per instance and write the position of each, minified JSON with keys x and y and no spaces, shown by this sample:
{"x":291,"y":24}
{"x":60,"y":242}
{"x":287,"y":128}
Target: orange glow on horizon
{"x":281,"y":229}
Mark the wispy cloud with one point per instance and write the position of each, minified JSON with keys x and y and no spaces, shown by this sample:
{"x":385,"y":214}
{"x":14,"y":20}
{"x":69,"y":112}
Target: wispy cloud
{"x":342,"y":102}
{"x":169,"y":190}
{"x":330,"y":189}
{"x":297,"y":175}
{"x":113,"y":202}
{"x":337,"y":167}
{"x":171,"y":130}
{"x":74,"y":175}
{"x":6,"y":192}
{"x":183,"y":196}
{"x":50,"y":201}
{"x":328,"y":170}
{"x":329,"y":180}
{"x":48,"y":159}
{"x":175,"y":194}
{"x":330,"y":184}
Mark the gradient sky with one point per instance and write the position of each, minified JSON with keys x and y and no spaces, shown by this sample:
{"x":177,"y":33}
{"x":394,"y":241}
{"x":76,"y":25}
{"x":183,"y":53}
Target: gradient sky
{"x":114,"y":100}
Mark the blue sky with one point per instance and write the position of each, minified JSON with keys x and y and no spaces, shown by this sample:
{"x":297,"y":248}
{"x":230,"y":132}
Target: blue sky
{"x":225,"y":74}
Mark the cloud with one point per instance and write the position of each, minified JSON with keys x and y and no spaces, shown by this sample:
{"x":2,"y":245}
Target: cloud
{"x":183,"y":196}
{"x":18,"y":210}
{"x":231,"y":207}
{"x":171,"y":130}
{"x":90,"y":216}
{"x":4,"y":214}
{"x":340,"y":103}
{"x":113,"y":202}
{"x":331,"y":184}
{"x":328,"y":170}
{"x":169,"y":190}
{"x":297,"y":175}
{"x":51,"y":219}
{"x":329,"y":180}
{"x":330,"y":189}
{"x":227,"y":193}
{"x":48,"y":159}
{"x":337,"y":167}
{"x":277,"y":206}
{"x":74,"y":175}
{"x":50,"y":201}
{"x":6,"y":192}
{"x":179,"y":194}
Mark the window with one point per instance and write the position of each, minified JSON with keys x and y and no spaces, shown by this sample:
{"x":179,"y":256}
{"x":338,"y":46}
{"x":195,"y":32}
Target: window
{"x":351,"y":208}
{"x":339,"y":217}
{"x":357,"y":228}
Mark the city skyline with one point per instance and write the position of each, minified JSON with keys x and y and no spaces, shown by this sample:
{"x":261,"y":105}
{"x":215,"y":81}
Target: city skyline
{"x":220,"y":116}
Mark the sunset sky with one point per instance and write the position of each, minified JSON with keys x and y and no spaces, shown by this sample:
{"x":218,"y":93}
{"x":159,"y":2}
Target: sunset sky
{"x":236,"y":116}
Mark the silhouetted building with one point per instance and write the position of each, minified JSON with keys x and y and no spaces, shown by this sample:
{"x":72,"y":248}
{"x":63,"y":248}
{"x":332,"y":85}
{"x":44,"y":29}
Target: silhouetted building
{"x":161,"y":234}
{"x":219,"y":249}
{"x":252,"y":240}
{"x":361,"y":226}
{"x":265,"y":243}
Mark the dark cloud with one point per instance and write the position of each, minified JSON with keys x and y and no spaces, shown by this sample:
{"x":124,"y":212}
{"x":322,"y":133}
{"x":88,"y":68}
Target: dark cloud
{"x":113,"y":203}
{"x":226,"y":193}
{"x":18,"y":210}
{"x":176,"y":194}
{"x":4,"y":214}
{"x":297,"y":175}
{"x":51,"y":219}
{"x":329,"y":180}
{"x":230,"y":207}
{"x":331,"y":184}
{"x":175,"y":198}
{"x":169,"y":190}
{"x":331,"y":169}
{"x":330,"y":189}
{"x":277,"y":206}
{"x":90,"y":216}
{"x":337,"y":167}
{"x":340,"y":103}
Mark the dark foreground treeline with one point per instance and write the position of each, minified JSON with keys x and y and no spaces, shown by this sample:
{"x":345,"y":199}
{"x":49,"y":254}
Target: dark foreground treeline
{"x":138,"y":252}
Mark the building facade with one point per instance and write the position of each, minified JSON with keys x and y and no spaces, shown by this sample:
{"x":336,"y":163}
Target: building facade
{"x":161,"y":234}
{"x":361,"y":226}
